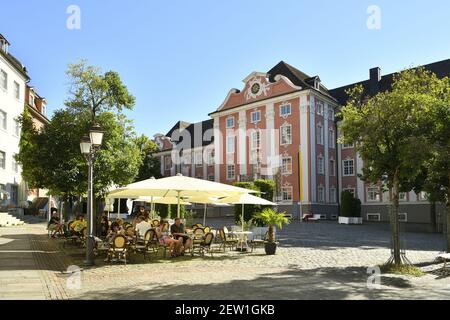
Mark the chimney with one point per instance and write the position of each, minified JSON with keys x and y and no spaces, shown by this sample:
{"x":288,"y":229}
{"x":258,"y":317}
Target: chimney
{"x":374,"y":81}
{"x":4,"y":44}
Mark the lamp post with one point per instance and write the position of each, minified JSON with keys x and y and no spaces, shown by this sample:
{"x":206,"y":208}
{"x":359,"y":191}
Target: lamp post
{"x":89,"y":145}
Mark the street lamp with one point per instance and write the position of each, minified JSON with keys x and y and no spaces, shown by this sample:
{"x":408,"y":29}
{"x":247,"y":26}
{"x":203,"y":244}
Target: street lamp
{"x":89,"y":145}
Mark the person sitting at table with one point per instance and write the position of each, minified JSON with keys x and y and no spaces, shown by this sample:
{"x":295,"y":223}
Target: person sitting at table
{"x":142,"y":226}
{"x":104,"y":225}
{"x":78,"y":225}
{"x":114,"y":230}
{"x":54,"y":225}
{"x":179,"y":232}
{"x":165,"y":239}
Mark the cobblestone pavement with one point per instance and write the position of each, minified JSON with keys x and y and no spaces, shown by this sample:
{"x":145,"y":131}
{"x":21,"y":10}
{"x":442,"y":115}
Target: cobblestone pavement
{"x":321,"y":260}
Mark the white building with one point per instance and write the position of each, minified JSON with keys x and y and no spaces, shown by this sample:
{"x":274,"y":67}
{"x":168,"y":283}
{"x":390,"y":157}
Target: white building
{"x":13,"y":79}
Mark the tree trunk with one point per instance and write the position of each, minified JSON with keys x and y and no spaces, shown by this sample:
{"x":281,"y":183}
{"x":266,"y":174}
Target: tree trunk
{"x":271,"y":237}
{"x":448,"y":215}
{"x":394,"y":220}
{"x":433,"y":216}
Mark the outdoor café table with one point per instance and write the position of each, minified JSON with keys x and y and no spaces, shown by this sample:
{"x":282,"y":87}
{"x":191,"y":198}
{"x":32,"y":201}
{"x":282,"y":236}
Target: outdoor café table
{"x":243,"y":240}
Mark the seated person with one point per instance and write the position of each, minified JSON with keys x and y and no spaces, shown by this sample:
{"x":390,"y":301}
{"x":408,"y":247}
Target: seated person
{"x":104,"y":225}
{"x":179,"y":232}
{"x":164,"y":238}
{"x":78,"y":225}
{"x":142,"y":226}
{"x":114,"y":230}
{"x":54,"y":225}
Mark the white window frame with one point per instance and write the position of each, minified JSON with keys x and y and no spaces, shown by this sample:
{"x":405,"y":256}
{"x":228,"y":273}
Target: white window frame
{"x":16,"y":90}
{"x":255,"y":144}
{"x":285,"y":105}
{"x":333,"y":196}
{"x":368,"y":193}
{"x":319,"y":134}
{"x":348,"y":146}
{"x":288,"y":190}
{"x":231,"y":177}
{"x":3,"y":80}
{"x":229,"y":151}
{"x":4,"y":123}
{"x":16,"y":128}
{"x":284,"y":165}
{"x":167,"y":164}
{"x":252,"y":120}
{"x":14,"y":165}
{"x":319,"y":107}
{"x":353,"y":168}
{"x":373,"y":214}
{"x":405,"y":219}
{"x":3,"y":157}
{"x":321,"y":194}
{"x":288,"y":141}
{"x":331,"y":138}
{"x":210,"y":157}
{"x":332,"y":167}
{"x":320,"y":165}
{"x":330,"y":113}
{"x":227,"y":125}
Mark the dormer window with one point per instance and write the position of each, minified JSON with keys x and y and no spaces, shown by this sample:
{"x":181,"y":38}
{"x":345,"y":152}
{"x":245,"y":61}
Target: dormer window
{"x":4,"y":45}
{"x":317,"y":84}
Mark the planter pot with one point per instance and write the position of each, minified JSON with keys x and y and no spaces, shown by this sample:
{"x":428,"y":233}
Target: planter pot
{"x":271,"y":248}
{"x":350,"y":220}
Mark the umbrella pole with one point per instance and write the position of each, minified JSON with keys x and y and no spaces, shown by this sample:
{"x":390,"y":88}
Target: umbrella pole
{"x":151,"y":208}
{"x":204,"y":216}
{"x":118,"y":208}
{"x":178,"y":206}
{"x":242,"y":217}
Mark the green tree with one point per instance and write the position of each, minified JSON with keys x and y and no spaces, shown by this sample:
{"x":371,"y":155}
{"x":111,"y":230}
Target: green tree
{"x":435,"y":179}
{"x":52,"y":159}
{"x":151,"y":166}
{"x":94,"y":92}
{"x":386,"y":130}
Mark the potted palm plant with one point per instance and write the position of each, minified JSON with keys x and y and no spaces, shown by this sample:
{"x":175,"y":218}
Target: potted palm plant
{"x":271,"y":218}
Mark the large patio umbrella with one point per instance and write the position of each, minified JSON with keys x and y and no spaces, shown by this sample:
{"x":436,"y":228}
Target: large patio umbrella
{"x":205,"y":200}
{"x":179,"y":186}
{"x":246,"y":199}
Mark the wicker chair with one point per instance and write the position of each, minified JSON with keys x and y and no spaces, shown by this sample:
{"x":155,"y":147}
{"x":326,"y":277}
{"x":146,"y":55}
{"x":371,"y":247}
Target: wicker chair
{"x":204,"y":245}
{"x":259,"y":242}
{"x":155,"y":223}
{"x":148,"y":244}
{"x":118,"y":248}
{"x":226,"y":241}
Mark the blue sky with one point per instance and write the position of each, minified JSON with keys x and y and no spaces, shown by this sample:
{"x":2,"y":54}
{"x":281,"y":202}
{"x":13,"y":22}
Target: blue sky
{"x":180,"y":58}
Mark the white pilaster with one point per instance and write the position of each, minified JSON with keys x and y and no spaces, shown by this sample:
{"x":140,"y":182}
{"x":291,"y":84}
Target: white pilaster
{"x":218,"y":152}
{"x":304,"y":147}
{"x":270,"y":139}
{"x":312,"y":132}
{"x":359,"y":182}
{"x":326,"y":155}
{"x":242,"y":145}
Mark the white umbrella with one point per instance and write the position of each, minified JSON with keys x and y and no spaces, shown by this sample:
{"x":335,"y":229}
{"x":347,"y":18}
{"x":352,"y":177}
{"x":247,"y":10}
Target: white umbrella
{"x":246,"y":199}
{"x":205,"y":200}
{"x":177,"y":186}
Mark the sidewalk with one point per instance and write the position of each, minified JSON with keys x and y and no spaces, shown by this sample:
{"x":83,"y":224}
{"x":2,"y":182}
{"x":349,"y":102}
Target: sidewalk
{"x":30,"y":265}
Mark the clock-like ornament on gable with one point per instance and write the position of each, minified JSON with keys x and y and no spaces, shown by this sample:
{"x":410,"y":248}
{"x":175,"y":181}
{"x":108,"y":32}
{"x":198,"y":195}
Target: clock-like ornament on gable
{"x":256,"y":88}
